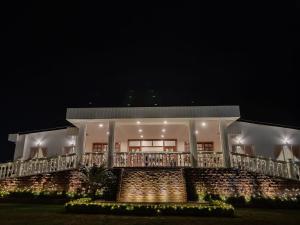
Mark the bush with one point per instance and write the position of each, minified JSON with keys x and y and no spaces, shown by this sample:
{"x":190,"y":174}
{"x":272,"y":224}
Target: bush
{"x":28,"y":196}
{"x":86,"y":205}
{"x":264,"y":202}
{"x":238,"y":201}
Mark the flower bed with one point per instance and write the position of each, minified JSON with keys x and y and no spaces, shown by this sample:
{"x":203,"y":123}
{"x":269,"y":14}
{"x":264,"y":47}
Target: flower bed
{"x":86,"y":205}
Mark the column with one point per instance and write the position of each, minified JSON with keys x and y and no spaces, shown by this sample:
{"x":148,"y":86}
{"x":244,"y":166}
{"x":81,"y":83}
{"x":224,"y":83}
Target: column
{"x":111,"y":144}
{"x":193,"y":144}
{"x":290,"y":169}
{"x":81,"y":138}
{"x":224,"y":144}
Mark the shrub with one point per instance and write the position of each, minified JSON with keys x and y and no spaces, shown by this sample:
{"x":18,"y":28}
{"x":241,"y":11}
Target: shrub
{"x":264,"y":202}
{"x":100,"y":182}
{"x":28,"y":196}
{"x":86,"y":205}
{"x":237,"y":201}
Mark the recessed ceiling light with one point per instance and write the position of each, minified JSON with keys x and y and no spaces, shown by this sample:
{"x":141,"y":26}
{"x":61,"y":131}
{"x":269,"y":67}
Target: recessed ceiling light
{"x":165,"y":122}
{"x":101,"y":125}
{"x":138,"y":122}
{"x":163,"y":130}
{"x":203,"y":124}
{"x":140,"y":130}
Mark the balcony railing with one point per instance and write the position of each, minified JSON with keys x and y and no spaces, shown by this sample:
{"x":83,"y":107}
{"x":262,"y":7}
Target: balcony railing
{"x":210,"y":159}
{"x":94,"y":159}
{"x":266,"y":166}
{"x":140,"y":159}
{"x":175,"y":159}
{"x":38,"y":166}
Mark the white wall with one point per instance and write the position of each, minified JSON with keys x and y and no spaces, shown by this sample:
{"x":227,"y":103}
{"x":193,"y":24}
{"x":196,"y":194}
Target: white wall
{"x":54,"y":141}
{"x":263,"y":137}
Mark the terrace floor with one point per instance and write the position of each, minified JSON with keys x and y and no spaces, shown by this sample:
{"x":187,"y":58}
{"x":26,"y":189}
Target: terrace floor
{"x":33,"y":214}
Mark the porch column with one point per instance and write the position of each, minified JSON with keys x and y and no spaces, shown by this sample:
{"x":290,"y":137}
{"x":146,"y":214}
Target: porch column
{"x":111,"y":144}
{"x":193,"y":144}
{"x":81,"y":138}
{"x":224,"y":144}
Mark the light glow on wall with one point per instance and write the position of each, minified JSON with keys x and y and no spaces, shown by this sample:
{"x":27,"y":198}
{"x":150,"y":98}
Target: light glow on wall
{"x":163,"y":130}
{"x":203,"y":124}
{"x":140,"y":130}
{"x":286,"y":140}
{"x":138,"y":122}
{"x":38,"y":142}
{"x":165,"y":122}
{"x":239,"y":140}
{"x":101,"y":125}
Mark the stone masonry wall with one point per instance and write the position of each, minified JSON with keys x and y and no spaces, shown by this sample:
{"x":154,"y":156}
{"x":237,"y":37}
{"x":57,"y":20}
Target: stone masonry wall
{"x":68,"y":181}
{"x":152,"y":185}
{"x":230,"y":182}
{"x":165,"y":184}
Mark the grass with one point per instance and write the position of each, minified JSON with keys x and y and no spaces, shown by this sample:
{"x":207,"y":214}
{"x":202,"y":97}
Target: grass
{"x":33,"y":214}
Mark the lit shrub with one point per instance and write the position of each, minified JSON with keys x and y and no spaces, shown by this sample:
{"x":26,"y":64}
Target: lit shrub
{"x":86,"y":205}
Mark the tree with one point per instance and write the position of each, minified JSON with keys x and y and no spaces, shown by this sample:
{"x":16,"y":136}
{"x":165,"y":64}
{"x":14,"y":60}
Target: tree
{"x":99,"y":181}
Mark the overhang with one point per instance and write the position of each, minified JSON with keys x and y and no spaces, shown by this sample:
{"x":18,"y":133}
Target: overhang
{"x":230,"y":112}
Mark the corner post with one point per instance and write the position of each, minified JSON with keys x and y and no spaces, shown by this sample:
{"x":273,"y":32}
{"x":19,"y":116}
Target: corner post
{"x":193,"y":144}
{"x":81,"y":138}
{"x":224,"y":144}
{"x":111,"y":143}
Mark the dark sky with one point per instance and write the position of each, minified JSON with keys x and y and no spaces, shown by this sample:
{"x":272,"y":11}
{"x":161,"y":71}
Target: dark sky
{"x":82,"y":55}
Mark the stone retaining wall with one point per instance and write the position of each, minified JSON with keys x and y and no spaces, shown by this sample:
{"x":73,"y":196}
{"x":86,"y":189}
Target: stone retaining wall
{"x":152,"y":185}
{"x":228,"y":182}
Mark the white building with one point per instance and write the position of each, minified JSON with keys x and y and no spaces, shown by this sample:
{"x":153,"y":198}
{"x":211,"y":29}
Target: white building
{"x":198,"y":136}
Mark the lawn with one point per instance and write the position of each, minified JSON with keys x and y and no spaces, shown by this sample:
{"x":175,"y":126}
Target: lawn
{"x":11,"y":214}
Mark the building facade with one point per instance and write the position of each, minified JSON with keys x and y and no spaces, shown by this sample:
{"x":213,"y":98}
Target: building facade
{"x":198,"y":136}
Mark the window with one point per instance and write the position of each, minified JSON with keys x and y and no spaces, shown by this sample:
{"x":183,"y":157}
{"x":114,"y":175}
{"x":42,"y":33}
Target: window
{"x":36,"y":152}
{"x":243,"y":149}
{"x":99,"y":147}
{"x":205,"y":146}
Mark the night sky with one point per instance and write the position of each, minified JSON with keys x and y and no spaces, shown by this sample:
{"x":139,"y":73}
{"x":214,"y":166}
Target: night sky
{"x":83,"y":55}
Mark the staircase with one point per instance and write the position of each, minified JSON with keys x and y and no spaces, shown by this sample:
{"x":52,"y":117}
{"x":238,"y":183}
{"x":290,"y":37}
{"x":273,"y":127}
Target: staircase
{"x":152,"y":185}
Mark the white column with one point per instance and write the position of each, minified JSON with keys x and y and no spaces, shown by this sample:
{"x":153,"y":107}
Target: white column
{"x":193,"y":144}
{"x":111,"y":144}
{"x":224,"y":144}
{"x":81,"y":138}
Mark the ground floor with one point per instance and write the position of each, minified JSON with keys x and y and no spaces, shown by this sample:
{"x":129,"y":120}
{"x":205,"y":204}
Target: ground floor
{"x":35,"y":214}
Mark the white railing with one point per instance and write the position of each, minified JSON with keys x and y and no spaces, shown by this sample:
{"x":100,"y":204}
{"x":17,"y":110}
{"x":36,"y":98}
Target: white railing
{"x":210,"y":159}
{"x":174,"y":159}
{"x":94,"y":159}
{"x":266,"y":166}
{"x":38,"y":166}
